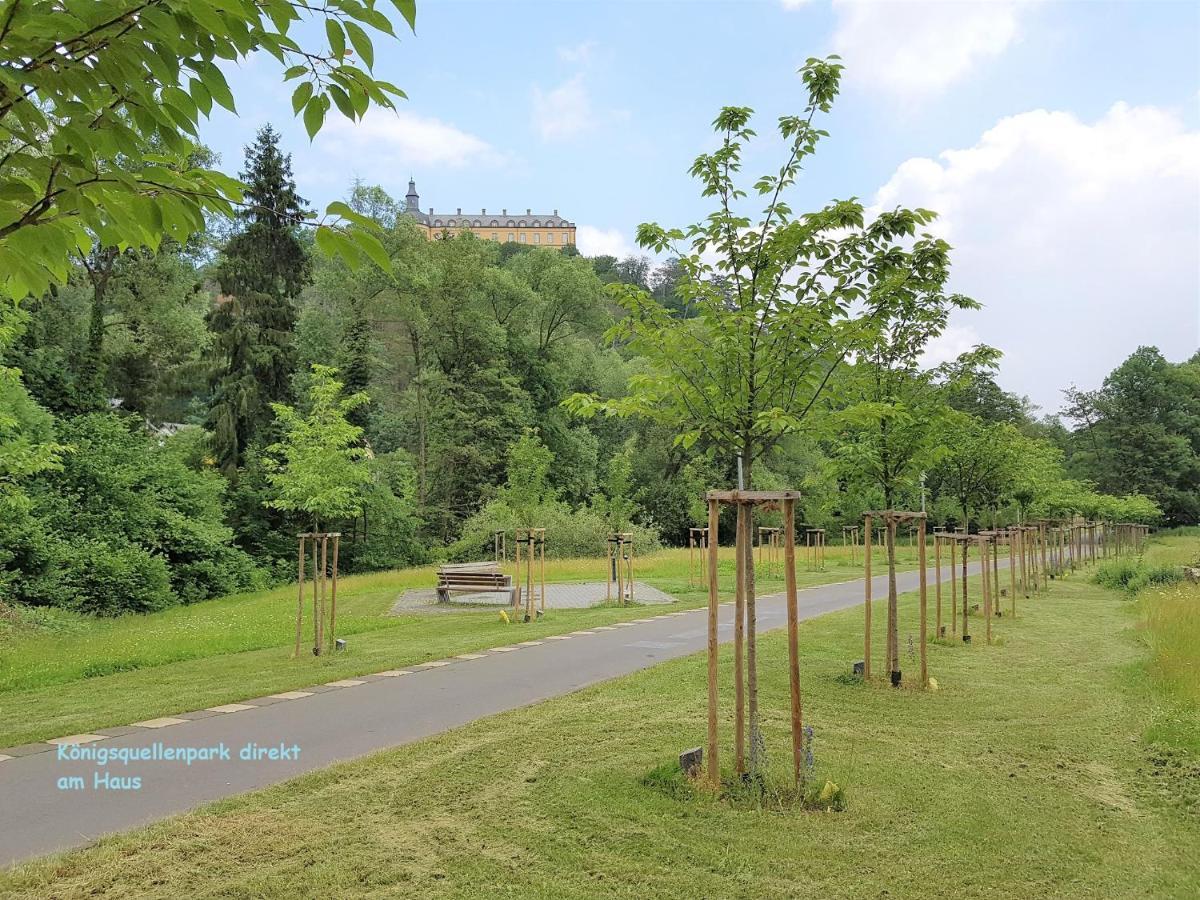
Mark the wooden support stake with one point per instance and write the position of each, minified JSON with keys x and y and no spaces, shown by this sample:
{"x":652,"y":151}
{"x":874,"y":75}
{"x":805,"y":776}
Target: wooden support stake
{"x":793,"y":619}
{"x":965,"y":603}
{"x":867,"y":589}
{"x":924,"y":623}
{"x":333,"y":594}
{"x":300,"y":600}
{"x":985,"y":580}
{"x":711,"y":764}
{"x":1012,"y":572}
{"x":741,"y":545}
{"x":953,"y":587}
{"x":316,"y":599}
{"x":937,"y":581}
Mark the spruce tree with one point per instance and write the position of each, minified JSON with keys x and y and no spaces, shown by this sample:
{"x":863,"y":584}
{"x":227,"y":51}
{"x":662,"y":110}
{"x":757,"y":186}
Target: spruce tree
{"x":262,"y":269}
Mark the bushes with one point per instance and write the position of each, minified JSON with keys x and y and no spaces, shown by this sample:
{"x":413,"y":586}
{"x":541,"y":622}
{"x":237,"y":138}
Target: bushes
{"x":100,"y":578}
{"x":127,"y":525}
{"x":1132,"y":575}
{"x":581,"y":532}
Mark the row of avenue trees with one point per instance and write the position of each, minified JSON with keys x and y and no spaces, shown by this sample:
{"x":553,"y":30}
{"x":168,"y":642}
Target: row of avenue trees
{"x":174,"y":410}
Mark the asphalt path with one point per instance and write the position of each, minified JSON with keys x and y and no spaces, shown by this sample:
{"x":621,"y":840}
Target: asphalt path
{"x":42,"y":809}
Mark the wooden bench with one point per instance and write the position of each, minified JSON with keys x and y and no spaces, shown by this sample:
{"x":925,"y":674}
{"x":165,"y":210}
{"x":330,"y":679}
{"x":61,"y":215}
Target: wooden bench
{"x":473,"y":578}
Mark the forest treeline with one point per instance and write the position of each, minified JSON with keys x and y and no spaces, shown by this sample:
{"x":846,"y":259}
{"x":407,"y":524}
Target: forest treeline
{"x":148,"y":399}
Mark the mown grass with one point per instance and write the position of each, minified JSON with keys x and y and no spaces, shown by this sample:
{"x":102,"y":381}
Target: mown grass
{"x":1018,"y":778}
{"x":95,"y":673}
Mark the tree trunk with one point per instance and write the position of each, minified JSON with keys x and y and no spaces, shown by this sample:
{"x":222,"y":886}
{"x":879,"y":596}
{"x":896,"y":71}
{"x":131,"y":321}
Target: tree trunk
{"x":422,"y":456}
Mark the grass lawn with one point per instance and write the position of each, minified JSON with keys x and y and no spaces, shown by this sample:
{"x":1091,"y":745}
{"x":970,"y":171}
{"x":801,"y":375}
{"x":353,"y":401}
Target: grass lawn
{"x":1027,"y":774}
{"x":102,"y":672}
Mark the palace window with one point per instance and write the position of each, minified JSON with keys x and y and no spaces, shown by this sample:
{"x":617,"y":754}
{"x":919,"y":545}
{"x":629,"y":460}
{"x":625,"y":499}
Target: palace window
{"x":522,"y":237}
{"x":537,"y":237}
{"x":510,"y":237}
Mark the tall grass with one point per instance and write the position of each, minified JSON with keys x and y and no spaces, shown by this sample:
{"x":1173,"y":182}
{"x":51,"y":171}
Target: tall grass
{"x":1171,"y":617}
{"x":1134,"y":574}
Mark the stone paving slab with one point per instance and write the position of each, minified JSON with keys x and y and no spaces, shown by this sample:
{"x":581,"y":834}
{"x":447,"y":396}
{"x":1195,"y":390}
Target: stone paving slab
{"x":577,"y":595}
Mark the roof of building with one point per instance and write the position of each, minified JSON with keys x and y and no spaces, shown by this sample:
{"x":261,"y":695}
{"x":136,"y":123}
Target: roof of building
{"x":482,"y":219}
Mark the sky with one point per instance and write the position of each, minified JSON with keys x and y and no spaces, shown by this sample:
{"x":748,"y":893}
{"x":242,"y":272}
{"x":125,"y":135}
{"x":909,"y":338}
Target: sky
{"x":1058,"y":141}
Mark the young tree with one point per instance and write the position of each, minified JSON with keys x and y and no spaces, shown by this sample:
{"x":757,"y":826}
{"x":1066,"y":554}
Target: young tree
{"x":980,"y":463}
{"x":527,"y":489}
{"x":890,"y":431}
{"x":776,"y":304}
{"x":617,"y":503}
{"x":262,"y":268}
{"x":100,"y":101}
{"x":319,"y":464}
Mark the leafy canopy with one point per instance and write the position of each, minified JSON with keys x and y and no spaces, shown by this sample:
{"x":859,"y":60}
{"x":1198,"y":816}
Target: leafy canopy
{"x":319,"y":464}
{"x":100,"y":102}
{"x":771,"y":308}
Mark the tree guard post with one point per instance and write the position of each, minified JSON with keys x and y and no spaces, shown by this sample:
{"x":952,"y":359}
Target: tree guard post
{"x":529,"y":550}
{"x":793,"y":626}
{"x":1012,"y":572}
{"x":985,"y":585}
{"x":893,"y":624}
{"x":333,"y":593}
{"x":712,"y":767}
{"x":924,"y":622}
{"x":953,"y":587}
{"x":747,"y":501}
{"x":300,"y":599}
{"x":318,"y":599}
{"x":937,"y":581}
{"x":966,"y":634}
{"x":742,"y":533}
{"x":868,"y":532}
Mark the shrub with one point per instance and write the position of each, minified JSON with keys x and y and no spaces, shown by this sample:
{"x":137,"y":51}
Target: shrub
{"x":106,"y":580}
{"x":569,"y":533}
{"x":122,"y":495}
{"x":1133,"y":575}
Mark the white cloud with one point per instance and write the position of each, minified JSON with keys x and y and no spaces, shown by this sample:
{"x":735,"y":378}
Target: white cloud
{"x":563,"y":112}
{"x":594,"y":241}
{"x":383,"y":140}
{"x":579,"y":54}
{"x":949,"y":345}
{"x":795,"y":4}
{"x":914,"y":48}
{"x":1081,"y":239}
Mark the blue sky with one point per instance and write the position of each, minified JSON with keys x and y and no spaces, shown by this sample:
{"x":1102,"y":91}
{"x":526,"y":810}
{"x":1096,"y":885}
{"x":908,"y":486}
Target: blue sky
{"x":1059,"y":140}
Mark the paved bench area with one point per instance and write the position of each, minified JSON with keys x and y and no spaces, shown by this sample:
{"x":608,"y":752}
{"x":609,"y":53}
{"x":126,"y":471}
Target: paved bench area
{"x":578,"y":595}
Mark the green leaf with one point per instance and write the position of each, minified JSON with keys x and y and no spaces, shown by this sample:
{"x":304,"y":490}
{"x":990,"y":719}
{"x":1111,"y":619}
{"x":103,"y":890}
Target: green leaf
{"x":215,"y":81}
{"x":314,"y":115}
{"x":342,"y":101}
{"x":301,"y":96}
{"x":361,"y":42}
{"x":337,"y":40}
{"x":408,"y":9}
{"x":371,"y":246}
{"x":339,"y":208}
{"x":200,"y":96}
